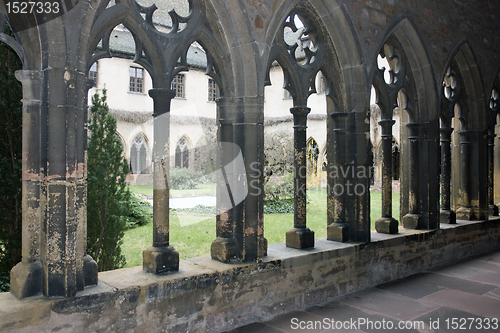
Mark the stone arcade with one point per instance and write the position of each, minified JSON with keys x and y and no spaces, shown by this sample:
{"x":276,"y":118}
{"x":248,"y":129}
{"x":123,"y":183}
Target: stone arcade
{"x":443,"y":73}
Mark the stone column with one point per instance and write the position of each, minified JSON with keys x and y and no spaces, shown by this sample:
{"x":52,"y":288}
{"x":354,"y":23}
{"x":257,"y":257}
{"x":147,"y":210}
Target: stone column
{"x":412,"y":219}
{"x":26,"y":277}
{"x":224,"y":246}
{"x":337,"y":227}
{"x":446,"y":215}
{"x":386,"y":224}
{"x":161,"y":257}
{"x":54,"y":186}
{"x":464,"y":212}
{"x":492,"y":208}
{"x":299,"y":237}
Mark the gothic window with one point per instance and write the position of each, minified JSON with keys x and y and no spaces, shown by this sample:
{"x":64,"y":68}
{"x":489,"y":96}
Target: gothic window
{"x":178,"y":85}
{"x":213,"y":90}
{"x":182,"y":154}
{"x":312,"y":156}
{"x":93,"y":74}
{"x":136,"y":79}
{"x":138,"y":153}
{"x":321,"y":84}
{"x":395,"y":160}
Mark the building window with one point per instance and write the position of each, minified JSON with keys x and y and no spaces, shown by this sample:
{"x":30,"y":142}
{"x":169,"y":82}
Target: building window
{"x":138,"y":153}
{"x":312,"y":157}
{"x":93,"y":74}
{"x":213,"y":90}
{"x":321,"y":84}
{"x":136,"y":79}
{"x":182,"y":154}
{"x":178,"y":85}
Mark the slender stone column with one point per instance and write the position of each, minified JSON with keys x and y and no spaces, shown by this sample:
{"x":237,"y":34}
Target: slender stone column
{"x":464,"y":212}
{"x":492,"y":208}
{"x":161,"y":257}
{"x":386,"y":224}
{"x":446,"y":215}
{"x":337,"y":227}
{"x":224,"y":246}
{"x":412,"y":219}
{"x":26,"y":277}
{"x":299,"y":237}
{"x":54,"y":186}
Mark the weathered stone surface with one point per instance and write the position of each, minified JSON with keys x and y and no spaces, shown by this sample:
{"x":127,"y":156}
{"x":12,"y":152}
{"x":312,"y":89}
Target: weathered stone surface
{"x":386,"y":225}
{"x":210,"y":296}
{"x":338,"y":232}
{"x":160,"y":260}
{"x":300,"y":238}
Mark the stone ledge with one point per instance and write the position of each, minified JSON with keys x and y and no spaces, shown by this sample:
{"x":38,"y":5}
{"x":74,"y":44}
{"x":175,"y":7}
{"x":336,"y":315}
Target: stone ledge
{"x":210,"y":296}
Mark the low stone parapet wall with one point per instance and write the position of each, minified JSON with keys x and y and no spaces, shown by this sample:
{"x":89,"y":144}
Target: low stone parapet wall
{"x":209,"y":296}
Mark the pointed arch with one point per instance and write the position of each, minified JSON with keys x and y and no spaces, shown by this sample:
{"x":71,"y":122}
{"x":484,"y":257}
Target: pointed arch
{"x":183,"y":152}
{"x":139,"y":155}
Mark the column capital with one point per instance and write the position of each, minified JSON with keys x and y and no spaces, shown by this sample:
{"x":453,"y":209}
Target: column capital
{"x":339,"y":119}
{"x":161,"y":98}
{"x":464,"y":136}
{"x":412,"y":130}
{"x":386,"y":125}
{"x":300,"y":116}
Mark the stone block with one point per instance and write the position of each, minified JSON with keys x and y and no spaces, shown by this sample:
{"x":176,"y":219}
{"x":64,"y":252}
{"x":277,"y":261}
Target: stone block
{"x":412,"y":221}
{"x":89,"y":271}
{"x":300,"y":238}
{"x":448,"y":217}
{"x":492,"y":210}
{"x":26,"y":279}
{"x":223,"y":249}
{"x":465,"y":213}
{"x":337,"y":232}
{"x":386,"y":225}
{"x":160,"y":260}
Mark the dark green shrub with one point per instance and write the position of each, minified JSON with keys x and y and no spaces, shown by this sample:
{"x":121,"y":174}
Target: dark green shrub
{"x":140,"y":212}
{"x":183,"y":179}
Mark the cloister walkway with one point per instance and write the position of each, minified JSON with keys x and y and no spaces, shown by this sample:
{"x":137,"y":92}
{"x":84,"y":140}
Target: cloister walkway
{"x":463,"y":294}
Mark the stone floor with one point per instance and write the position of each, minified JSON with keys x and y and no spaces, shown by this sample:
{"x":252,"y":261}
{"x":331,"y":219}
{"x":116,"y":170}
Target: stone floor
{"x":464,"y":297}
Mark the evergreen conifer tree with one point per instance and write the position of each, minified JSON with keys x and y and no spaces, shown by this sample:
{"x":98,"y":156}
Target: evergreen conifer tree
{"x":108,"y":195}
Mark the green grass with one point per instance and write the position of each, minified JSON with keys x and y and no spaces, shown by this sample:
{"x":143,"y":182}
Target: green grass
{"x":192,"y":234}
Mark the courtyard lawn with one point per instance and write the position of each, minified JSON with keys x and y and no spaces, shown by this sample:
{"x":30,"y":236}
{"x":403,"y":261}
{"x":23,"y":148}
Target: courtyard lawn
{"x":192,"y":234}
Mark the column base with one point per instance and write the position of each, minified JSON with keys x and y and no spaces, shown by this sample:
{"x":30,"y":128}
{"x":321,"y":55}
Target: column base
{"x":26,"y":279}
{"x":492,"y":210}
{"x":386,"y":225}
{"x":337,"y":232}
{"x":448,"y":217}
{"x":223,"y":249}
{"x":262,"y":247}
{"x":160,"y":260}
{"x":89,"y":271}
{"x":465,"y":213}
{"x":412,"y":221}
{"x":300,"y":238}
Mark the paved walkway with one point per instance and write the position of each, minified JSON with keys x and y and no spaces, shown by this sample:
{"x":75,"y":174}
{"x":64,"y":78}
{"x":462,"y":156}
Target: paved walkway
{"x":456,"y":298}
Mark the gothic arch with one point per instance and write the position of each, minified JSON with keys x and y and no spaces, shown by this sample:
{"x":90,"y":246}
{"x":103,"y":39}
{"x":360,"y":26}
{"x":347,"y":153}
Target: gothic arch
{"x":464,"y":61}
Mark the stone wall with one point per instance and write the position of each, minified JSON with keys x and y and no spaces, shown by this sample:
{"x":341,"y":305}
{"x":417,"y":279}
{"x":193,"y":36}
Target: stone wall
{"x":209,"y":296}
